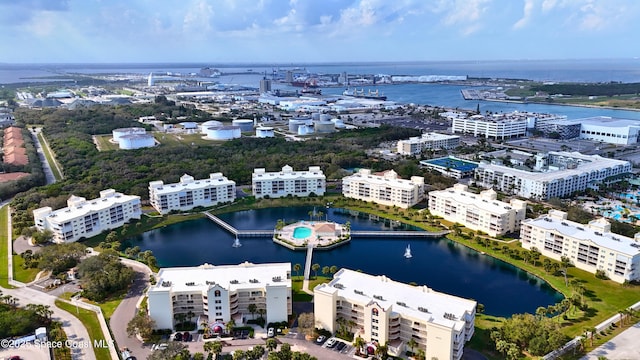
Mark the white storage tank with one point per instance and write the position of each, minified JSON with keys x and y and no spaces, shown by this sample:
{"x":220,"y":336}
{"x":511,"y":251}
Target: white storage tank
{"x":325,"y":117}
{"x":315,"y":116}
{"x":223,"y":132}
{"x":128,"y":142}
{"x":208,"y":124}
{"x":245,"y":125}
{"x":295,"y":124}
{"x":264,"y":132}
{"x":189,"y":125}
{"x":339,"y":124}
{"x":118,"y":133}
{"x":304,"y":129}
{"x":324,"y":126}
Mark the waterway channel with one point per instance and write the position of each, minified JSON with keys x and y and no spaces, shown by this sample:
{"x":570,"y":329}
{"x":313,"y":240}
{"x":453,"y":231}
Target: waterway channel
{"x":438,"y":263}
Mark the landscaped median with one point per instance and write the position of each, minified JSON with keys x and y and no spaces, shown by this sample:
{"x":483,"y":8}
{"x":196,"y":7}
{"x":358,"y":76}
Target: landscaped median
{"x":4,"y":247}
{"x":91,"y":322}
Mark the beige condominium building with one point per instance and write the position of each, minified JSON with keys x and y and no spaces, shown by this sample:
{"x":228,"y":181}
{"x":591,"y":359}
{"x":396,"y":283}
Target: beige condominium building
{"x":590,"y":247}
{"x":190,"y":193}
{"x":288,"y":182}
{"x":83,"y":218}
{"x":433,"y":141}
{"x":218,"y":294}
{"x":392,"y":313}
{"x":478,"y":211}
{"x":386,"y":188}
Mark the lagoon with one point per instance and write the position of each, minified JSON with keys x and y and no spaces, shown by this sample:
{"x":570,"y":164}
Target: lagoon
{"x":438,"y":263}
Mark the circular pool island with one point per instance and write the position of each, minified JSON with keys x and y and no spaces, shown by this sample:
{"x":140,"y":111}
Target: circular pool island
{"x":318,"y":234}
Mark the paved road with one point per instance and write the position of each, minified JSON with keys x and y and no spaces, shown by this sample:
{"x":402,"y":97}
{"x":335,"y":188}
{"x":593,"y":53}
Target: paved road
{"x":127,"y":310}
{"x":76,"y":332}
{"x":622,"y":347}
{"x":43,"y":160}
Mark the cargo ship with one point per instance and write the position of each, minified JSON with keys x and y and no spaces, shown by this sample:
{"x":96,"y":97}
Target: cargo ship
{"x":311,"y":83}
{"x":365,"y":95}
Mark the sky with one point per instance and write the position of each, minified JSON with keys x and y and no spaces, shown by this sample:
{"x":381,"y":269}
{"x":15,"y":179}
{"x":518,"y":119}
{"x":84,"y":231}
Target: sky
{"x":315,"y":31}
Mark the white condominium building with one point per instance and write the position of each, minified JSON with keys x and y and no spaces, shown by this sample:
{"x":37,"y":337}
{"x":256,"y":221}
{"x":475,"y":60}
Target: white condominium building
{"x":83,"y":218}
{"x":590,"y":247}
{"x":288,"y":182}
{"x":385,"y":188}
{"x":221,"y":293}
{"x":189,"y":193}
{"x":434,"y":141}
{"x":496,"y":127}
{"x":478,"y":211}
{"x":556,"y":174}
{"x":392,"y":313}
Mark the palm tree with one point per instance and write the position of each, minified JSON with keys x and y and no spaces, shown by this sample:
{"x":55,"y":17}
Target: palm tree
{"x":258,"y":351}
{"x":252,"y":309}
{"x":315,"y":267}
{"x":359,"y":344}
{"x":326,"y":270}
{"x":381,"y":351}
{"x":297,"y":268}
{"x":565,"y":262}
{"x":261,"y":312}
{"x":421,"y":355}
{"x":333,"y":269}
{"x":230,"y":325}
{"x":412,"y":344}
{"x":311,"y":214}
{"x":271,"y":344}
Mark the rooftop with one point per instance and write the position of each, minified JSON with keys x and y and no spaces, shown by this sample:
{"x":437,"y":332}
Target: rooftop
{"x":452,"y":163}
{"x":188,"y":183}
{"x":231,"y":277}
{"x":415,"y":301}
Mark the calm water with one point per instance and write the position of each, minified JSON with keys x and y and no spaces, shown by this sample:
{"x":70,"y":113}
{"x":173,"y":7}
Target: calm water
{"x":437,"y":263}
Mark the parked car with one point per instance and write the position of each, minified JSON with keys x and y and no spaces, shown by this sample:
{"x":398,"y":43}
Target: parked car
{"x":271,"y":332}
{"x":321,"y":339}
{"x":331,"y":343}
{"x":186,"y":336}
{"x":340,"y":346}
{"x":177,"y":337}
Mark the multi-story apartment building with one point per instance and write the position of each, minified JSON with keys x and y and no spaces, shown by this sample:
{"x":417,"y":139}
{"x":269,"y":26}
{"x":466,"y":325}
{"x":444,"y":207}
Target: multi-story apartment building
{"x":556,"y":174}
{"x":478,"y":211}
{"x":83,"y":218}
{"x":497,"y":127}
{"x":590,"y":247}
{"x":433,"y":141}
{"x":389,"y":312}
{"x":386,"y":188}
{"x":288,"y":182}
{"x":218,"y":294}
{"x":189,"y":193}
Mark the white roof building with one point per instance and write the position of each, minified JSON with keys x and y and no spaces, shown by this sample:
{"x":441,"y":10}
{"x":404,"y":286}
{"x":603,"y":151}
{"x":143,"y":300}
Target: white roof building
{"x":590,"y":247}
{"x":556,"y":174}
{"x":392,"y":313}
{"x":190,"y":193}
{"x":83,"y":218}
{"x":478,"y":211}
{"x":385,"y":189}
{"x":288,"y":182}
{"x":221,"y":293}
{"x":610,"y":130}
{"x":434,"y":141}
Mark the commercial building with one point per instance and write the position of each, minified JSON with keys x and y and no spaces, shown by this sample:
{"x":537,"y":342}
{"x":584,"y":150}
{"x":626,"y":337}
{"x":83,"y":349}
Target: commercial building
{"x":496,"y":127}
{"x":451,"y":166}
{"x":190,"y":193}
{"x":84,"y":218}
{"x":392,"y":313}
{"x":433,"y":141}
{"x":478,"y":211}
{"x":221,"y":293}
{"x":598,"y":128}
{"x":591,"y":247}
{"x":385,"y":188}
{"x":288,"y":182}
{"x":556,"y":174}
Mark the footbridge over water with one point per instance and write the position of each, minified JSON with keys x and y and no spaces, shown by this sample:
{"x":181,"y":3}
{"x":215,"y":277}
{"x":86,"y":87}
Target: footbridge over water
{"x":236,"y":232}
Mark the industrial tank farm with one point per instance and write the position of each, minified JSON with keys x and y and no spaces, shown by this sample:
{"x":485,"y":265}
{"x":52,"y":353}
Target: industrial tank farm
{"x":223,"y":132}
{"x":136,"y":141}
{"x":245,"y":125}
{"x":118,"y":133}
{"x":264,"y":132}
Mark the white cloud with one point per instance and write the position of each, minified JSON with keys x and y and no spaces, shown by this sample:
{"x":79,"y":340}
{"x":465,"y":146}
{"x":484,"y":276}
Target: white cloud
{"x":465,"y":14}
{"x":197,"y":18}
{"x":527,"y":14}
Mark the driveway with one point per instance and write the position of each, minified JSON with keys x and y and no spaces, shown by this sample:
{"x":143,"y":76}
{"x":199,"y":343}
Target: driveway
{"x":127,"y":310}
{"x":622,"y":347}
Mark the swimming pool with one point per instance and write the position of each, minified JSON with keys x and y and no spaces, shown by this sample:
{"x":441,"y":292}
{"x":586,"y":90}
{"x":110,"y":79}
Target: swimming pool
{"x":301,"y":232}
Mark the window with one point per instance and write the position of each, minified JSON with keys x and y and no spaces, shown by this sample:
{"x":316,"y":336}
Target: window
{"x":217,"y":293}
{"x":374,"y":312}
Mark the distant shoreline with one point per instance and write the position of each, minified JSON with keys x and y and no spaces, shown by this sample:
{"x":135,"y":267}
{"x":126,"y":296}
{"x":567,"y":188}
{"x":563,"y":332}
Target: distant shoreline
{"x":561,"y":104}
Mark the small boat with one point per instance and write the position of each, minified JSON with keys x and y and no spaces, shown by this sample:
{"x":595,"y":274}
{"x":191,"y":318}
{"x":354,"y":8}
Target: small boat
{"x":407,"y":252}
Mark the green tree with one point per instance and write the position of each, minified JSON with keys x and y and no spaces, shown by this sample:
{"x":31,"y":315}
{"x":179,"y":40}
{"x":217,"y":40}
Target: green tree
{"x":252,"y":309}
{"x":271,"y":344}
{"x":43,"y":237}
{"x":297,"y":268}
{"x":306,"y":324}
{"x":333,"y":269}
{"x":326,"y":270}
{"x":359,"y":344}
{"x":412,"y":344}
{"x":315,"y":268}
{"x":142,"y":325}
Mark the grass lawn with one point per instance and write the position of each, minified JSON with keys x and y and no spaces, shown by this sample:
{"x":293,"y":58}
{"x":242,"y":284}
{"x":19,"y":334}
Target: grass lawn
{"x":4,"y":269}
{"x":21,"y":274}
{"x":104,"y":144}
{"x":90,"y":321}
{"x":296,"y":287}
{"x":109,"y":306}
{"x":176,"y":139}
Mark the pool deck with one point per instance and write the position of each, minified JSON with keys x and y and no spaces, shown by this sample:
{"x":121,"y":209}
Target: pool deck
{"x":323,"y":234}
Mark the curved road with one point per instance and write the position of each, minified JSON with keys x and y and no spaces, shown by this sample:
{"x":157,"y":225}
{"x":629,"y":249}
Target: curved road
{"x":127,"y":310}
{"x":74,"y":329}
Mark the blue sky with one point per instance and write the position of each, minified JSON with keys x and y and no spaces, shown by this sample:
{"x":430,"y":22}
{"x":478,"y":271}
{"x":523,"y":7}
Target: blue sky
{"x":295,"y":31}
